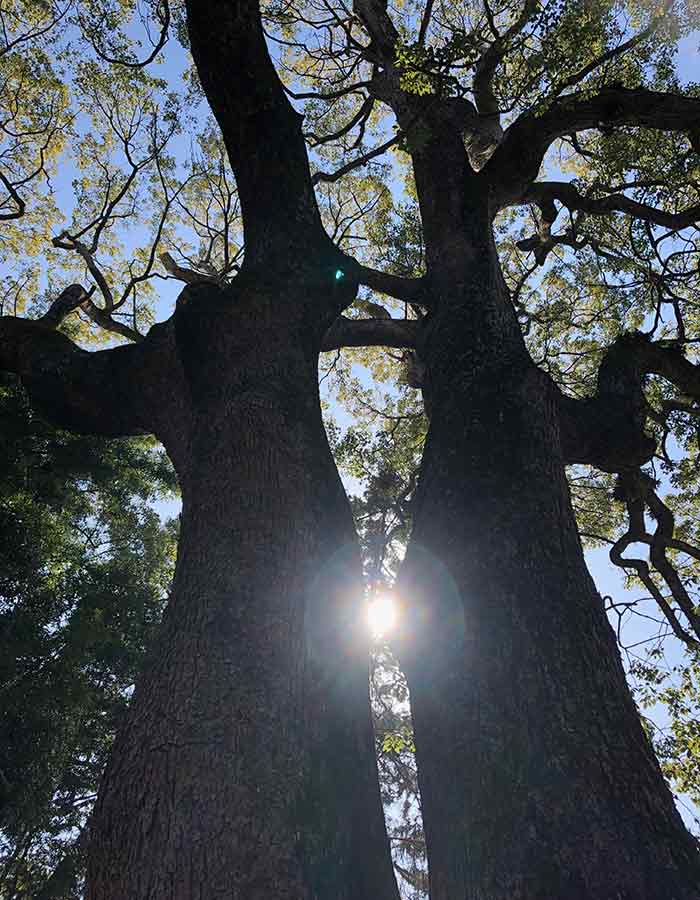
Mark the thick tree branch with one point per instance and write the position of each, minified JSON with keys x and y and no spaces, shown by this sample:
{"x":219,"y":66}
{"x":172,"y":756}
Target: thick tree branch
{"x":608,"y":430}
{"x":517,"y":160}
{"x":107,"y":322}
{"x":381,"y":29}
{"x":68,"y":300}
{"x":407,"y":289}
{"x":346,"y":332}
{"x":93,"y":393}
{"x":187,"y":276}
{"x":261,"y":130}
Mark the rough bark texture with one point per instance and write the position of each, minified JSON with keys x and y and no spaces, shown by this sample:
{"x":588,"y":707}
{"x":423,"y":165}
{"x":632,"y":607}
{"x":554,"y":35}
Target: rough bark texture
{"x":246,"y":768}
{"x":536,"y":778}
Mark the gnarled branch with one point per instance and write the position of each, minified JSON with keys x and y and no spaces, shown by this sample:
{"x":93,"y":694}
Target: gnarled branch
{"x":637,"y":490}
{"x":608,"y":430}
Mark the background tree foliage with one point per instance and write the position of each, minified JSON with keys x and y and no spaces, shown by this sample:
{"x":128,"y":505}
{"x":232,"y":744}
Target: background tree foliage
{"x":106,"y":93}
{"x":85,"y":563}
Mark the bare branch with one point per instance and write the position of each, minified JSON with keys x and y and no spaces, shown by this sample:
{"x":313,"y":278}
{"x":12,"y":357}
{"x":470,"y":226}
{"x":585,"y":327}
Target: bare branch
{"x":637,"y":490}
{"x":67,"y":301}
{"x":328,"y":95}
{"x":107,"y":322}
{"x":188,"y":276}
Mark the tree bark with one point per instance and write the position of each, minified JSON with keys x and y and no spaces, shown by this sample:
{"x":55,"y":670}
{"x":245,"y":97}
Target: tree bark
{"x":536,"y":778}
{"x":246,"y":767}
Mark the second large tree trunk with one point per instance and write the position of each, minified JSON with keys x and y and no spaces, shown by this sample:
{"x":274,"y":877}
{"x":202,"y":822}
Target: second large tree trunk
{"x":246,"y":769}
{"x":536,"y":778}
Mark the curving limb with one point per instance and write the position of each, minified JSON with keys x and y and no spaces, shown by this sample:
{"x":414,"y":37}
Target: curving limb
{"x":607,"y":430}
{"x":516,"y":162}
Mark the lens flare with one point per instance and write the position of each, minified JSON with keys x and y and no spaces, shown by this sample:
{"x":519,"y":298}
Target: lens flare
{"x":382,"y":614}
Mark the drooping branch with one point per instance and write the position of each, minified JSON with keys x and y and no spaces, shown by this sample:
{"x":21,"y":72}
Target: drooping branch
{"x":261,"y":130}
{"x":98,"y":392}
{"x":162,"y":13}
{"x":517,"y":160}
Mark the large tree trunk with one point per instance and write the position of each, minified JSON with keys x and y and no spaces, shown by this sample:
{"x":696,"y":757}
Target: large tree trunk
{"x":537,"y":780}
{"x":246,"y":768}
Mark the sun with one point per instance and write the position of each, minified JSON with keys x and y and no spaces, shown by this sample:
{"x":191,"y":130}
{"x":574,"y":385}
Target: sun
{"x":382,"y":613}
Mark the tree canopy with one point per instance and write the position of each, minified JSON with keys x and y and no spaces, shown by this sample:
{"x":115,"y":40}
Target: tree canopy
{"x":146,"y":148}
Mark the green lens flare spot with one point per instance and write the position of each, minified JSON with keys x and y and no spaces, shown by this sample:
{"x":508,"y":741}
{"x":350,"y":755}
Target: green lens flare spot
{"x":339,"y":274}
